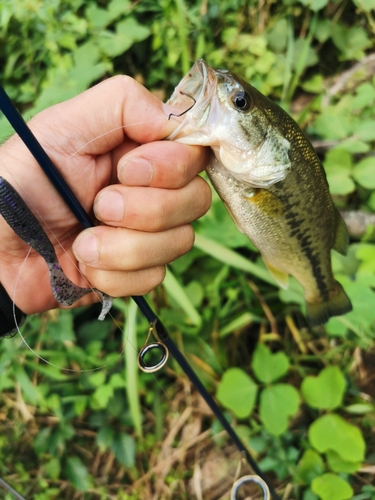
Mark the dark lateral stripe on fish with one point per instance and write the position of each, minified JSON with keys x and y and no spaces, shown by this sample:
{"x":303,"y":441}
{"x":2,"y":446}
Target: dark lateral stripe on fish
{"x":305,"y":245}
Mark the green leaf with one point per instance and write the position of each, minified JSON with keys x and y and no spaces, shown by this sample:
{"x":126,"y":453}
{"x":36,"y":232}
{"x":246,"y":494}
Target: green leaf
{"x":237,"y":391}
{"x":195,"y":292}
{"x":359,"y":408}
{"x":97,"y":378}
{"x":350,"y":41}
{"x":331,"y":432}
{"x":364,"y":97}
{"x":337,"y":464}
{"x":365,"y":130}
{"x":77,"y":474}
{"x":278,"y":36}
{"x":104,"y":438}
{"x":315,"y":85}
{"x":331,"y":125}
{"x":117,"y":381}
{"x":86,"y":54}
{"x":102,"y":395}
{"x":117,"y":7}
{"x":363,"y":300}
{"x":123,"y":448}
{"x":331,"y":487}
{"x":99,"y":18}
{"x":314,"y":5}
{"x":325,"y":391}
{"x":309,"y":495}
{"x":366,"y":5}
{"x":267,"y":366}
{"x":277,"y":403}
{"x":62,"y":330}
{"x":364,"y":172}
{"x":338,"y":166}
{"x":53,"y":468}
{"x":310,"y":466}
{"x":127,"y":33}
{"x":308,"y":53}
{"x":323,"y":30}
{"x":29,"y":392}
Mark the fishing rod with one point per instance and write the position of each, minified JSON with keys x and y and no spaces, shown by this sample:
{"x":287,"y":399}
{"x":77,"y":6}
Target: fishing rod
{"x":163,"y":343}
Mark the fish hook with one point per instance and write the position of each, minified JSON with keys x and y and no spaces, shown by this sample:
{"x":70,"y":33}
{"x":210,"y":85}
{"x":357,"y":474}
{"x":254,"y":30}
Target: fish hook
{"x":186,"y":110}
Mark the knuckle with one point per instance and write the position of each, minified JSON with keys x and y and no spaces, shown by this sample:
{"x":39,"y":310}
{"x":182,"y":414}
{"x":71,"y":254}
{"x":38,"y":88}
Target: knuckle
{"x":185,"y":240}
{"x":161,"y":214}
{"x":152,"y":278}
{"x":206,"y":198}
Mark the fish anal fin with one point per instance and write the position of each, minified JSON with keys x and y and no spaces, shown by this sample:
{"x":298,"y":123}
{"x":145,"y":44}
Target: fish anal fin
{"x":337,"y":304}
{"x":342,"y":237}
{"x":281,"y":277}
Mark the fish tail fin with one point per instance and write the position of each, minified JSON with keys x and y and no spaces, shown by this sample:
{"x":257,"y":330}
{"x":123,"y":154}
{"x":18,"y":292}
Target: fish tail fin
{"x":337,"y":304}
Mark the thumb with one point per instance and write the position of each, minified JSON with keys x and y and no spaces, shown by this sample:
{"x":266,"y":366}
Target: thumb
{"x":98,"y":119}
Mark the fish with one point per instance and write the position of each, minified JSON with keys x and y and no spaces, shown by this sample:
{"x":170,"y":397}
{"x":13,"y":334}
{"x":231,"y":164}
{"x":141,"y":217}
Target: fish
{"x":270,"y":179}
{"x":20,"y":218}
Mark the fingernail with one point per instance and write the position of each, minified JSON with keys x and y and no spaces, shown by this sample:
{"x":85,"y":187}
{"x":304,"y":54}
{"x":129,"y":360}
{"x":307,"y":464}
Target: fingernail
{"x":86,"y":248}
{"x":109,"y":206}
{"x":135,"y":172}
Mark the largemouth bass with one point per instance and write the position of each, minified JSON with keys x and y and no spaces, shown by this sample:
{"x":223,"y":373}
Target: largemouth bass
{"x":271,"y":181}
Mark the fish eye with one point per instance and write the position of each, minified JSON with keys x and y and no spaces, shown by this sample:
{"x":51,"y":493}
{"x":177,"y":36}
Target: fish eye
{"x":241,"y":101}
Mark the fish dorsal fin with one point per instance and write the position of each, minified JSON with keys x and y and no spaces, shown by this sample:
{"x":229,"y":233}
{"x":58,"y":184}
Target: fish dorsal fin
{"x":342,"y":237}
{"x":281,"y":278}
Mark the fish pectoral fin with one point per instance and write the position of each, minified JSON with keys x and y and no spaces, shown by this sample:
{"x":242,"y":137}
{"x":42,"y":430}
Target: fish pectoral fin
{"x":281,"y":277}
{"x":342,"y":237}
{"x":266,"y":201}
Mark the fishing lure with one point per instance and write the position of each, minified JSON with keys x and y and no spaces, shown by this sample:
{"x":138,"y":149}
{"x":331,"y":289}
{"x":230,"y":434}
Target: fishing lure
{"x":24,"y":223}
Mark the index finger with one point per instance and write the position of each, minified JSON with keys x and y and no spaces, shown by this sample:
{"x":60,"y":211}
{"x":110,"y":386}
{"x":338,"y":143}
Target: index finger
{"x":165,"y":164}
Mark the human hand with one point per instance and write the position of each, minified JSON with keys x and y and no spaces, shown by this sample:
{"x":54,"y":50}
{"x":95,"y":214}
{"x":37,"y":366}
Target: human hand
{"x":107,"y":134}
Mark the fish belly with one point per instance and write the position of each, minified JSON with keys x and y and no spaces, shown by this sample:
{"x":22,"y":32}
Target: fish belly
{"x":286,"y":244}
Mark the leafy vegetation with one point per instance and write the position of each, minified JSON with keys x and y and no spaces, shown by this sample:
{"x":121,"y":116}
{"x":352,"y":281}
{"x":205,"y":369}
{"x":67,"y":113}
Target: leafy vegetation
{"x":302,"y":400}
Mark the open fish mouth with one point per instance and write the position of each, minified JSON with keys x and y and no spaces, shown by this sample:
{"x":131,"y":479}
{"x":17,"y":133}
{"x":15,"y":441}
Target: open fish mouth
{"x":198,"y":85}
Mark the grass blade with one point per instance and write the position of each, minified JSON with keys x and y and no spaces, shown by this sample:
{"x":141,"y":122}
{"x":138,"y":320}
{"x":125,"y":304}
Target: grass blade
{"x":220,"y":252}
{"x":131,"y":365}
{"x":177,"y":292}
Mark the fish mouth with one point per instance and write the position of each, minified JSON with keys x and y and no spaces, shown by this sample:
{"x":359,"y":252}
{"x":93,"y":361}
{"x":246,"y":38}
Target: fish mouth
{"x":193,"y":96}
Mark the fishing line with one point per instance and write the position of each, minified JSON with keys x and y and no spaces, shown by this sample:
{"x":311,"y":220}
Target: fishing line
{"x":64,"y":190}
{"x":41,"y":357}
